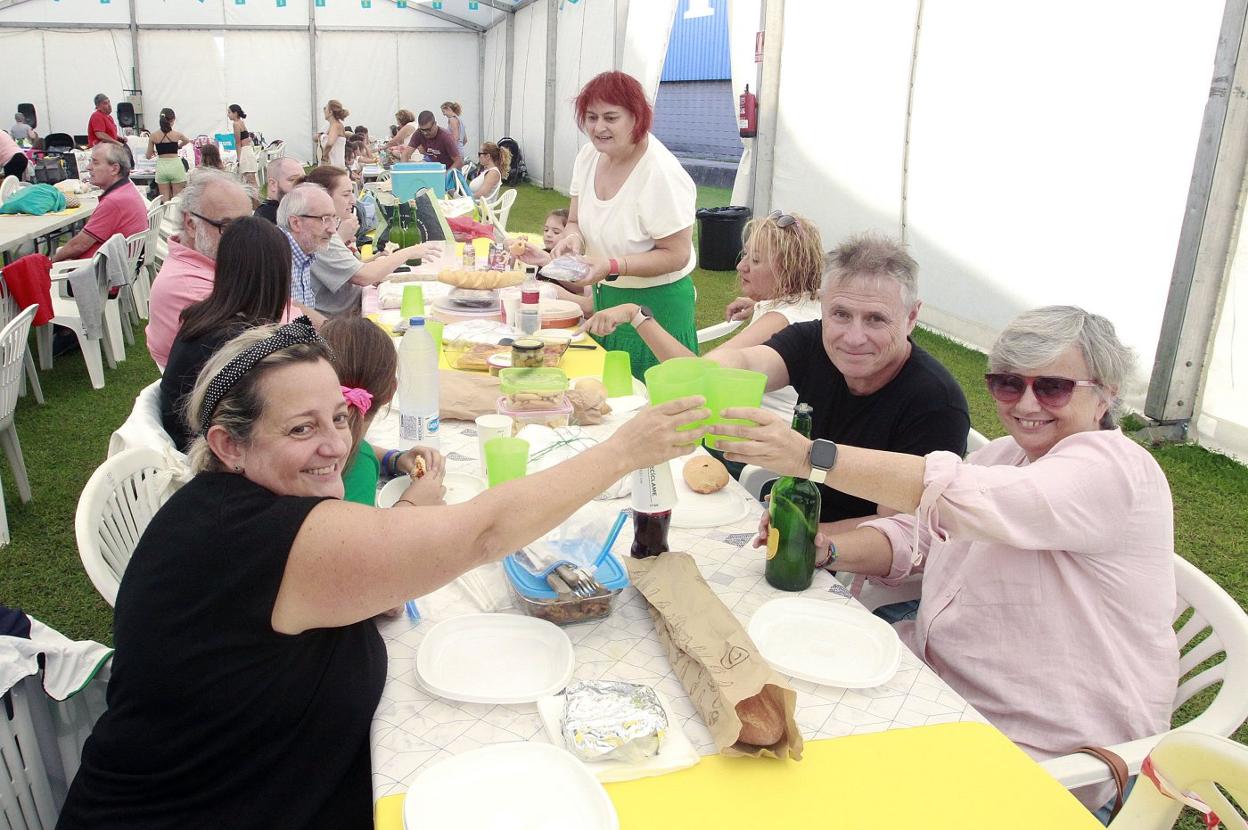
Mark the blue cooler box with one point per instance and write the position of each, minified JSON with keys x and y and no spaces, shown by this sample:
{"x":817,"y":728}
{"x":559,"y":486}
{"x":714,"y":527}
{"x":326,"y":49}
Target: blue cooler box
{"x":407,"y":177}
{"x":225,"y":140}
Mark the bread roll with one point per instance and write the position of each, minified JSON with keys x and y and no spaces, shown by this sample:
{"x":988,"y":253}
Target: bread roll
{"x":704,"y":474}
{"x":592,"y":387}
{"x":762,"y":720}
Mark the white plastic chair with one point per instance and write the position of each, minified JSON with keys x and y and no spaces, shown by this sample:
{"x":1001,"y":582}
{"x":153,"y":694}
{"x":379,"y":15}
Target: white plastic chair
{"x":66,"y":313}
{"x":1193,"y":763}
{"x":145,"y":275}
{"x":12,"y":347}
{"x":9,"y":310}
{"x":39,"y":772}
{"x":1215,"y":610}
{"x":123,"y":309}
{"x":114,"y":509}
{"x":504,"y":207}
{"x":144,"y":427}
{"x":975,"y":440}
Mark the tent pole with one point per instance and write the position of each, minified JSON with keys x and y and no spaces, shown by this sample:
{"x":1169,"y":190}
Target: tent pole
{"x":1208,"y":234}
{"x":905,"y":153}
{"x":136,"y":76}
{"x":509,"y":67}
{"x":552,"y":50}
{"x":768,"y":105}
{"x":312,"y":74}
{"x":480,"y":91}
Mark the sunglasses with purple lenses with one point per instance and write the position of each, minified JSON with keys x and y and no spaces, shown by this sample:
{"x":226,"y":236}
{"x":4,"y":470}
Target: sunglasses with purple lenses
{"x":1008,"y":387}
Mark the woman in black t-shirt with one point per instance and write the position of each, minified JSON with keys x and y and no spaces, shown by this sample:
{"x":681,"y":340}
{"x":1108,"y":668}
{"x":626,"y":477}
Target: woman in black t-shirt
{"x":247,"y":666}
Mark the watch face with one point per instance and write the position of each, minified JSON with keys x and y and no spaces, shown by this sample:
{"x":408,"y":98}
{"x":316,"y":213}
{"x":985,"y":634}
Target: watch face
{"x":823,"y":454}
{"x":645,"y":310}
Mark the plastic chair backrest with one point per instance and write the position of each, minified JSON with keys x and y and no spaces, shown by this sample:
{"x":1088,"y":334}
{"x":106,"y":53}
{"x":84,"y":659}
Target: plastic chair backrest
{"x":135,"y":244}
{"x":509,"y":199}
{"x":155,"y":211}
{"x":12,"y":350}
{"x":1195,"y":763}
{"x":114,"y":509}
{"x":26,"y":798}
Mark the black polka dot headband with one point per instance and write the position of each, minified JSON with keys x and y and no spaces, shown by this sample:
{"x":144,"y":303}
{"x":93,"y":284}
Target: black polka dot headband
{"x":292,"y":334}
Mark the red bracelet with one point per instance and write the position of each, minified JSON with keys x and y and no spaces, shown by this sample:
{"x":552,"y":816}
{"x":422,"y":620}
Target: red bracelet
{"x":613,"y":267}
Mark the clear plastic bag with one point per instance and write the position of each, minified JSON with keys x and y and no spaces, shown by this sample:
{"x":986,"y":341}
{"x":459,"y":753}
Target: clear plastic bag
{"x":566,"y":269}
{"x":578,"y":540}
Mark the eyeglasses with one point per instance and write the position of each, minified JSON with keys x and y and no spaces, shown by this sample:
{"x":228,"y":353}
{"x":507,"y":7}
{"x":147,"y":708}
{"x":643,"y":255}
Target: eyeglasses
{"x":1053,"y":392}
{"x":329,"y":220}
{"x":219,"y":224}
{"x":430,"y":130}
{"x":782,"y":220}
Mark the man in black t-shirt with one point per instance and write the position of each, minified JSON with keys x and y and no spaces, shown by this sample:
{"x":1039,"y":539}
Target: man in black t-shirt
{"x":869,"y":384}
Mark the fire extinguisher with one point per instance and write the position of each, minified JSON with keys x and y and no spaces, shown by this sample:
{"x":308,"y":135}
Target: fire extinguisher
{"x":747,"y":113}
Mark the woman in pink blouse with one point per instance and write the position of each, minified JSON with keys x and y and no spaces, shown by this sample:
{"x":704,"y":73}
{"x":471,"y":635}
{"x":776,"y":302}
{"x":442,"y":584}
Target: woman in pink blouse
{"x":1048,"y":588}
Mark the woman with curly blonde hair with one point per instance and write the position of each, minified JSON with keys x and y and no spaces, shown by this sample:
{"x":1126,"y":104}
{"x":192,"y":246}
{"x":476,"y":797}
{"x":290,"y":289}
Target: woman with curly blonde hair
{"x":334,"y":139}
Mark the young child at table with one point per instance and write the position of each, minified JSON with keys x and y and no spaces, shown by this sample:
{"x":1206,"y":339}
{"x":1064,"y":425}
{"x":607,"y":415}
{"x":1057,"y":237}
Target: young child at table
{"x":552,"y":232}
{"x":367,"y":365}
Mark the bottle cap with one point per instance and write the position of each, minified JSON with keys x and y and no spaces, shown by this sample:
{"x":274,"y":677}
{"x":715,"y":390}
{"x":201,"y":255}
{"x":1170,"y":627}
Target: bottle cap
{"x":416,"y":321}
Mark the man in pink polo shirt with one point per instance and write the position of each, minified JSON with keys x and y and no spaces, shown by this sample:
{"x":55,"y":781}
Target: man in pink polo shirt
{"x":210,"y":202}
{"x":121,"y":208}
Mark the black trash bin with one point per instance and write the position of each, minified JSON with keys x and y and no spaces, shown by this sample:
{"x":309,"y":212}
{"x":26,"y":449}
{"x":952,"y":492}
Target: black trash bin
{"x":719,"y":236}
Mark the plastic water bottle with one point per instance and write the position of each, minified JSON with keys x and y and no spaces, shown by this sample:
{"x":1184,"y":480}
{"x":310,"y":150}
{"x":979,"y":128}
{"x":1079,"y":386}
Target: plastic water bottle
{"x":418,"y":385}
{"x":530,"y":308}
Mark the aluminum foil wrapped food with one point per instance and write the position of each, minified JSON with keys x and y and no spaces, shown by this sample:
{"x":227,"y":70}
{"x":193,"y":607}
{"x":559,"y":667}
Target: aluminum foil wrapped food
{"x":606,"y":720}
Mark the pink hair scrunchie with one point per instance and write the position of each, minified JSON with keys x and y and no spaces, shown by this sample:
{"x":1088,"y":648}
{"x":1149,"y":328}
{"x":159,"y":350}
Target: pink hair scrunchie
{"x":361,"y":399}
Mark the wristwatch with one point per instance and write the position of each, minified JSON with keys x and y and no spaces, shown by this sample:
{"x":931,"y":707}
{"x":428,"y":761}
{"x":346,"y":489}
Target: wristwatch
{"x":822,"y":459}
{"x":613,"y":270}
{"x":642,"y":315}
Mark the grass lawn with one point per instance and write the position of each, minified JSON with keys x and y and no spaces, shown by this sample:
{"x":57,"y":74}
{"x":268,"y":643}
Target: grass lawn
{"x":67,"y":439}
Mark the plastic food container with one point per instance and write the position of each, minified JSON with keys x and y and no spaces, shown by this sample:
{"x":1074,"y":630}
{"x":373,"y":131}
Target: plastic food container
{"x":448,"y":311}
{"x":537,"y":599}
{"x":470,"y":344}
{"x":554,"y":418}
{"x":560,"y":314}
{"x":536,"y":389}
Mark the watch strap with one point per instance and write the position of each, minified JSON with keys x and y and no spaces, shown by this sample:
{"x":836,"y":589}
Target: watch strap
{"x":641,"y":315}
{"x":817,"y":475}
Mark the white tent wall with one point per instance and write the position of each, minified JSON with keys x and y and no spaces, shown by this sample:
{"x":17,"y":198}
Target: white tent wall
{"x":1221,"y":421}
{"x":1048,"y":163}
{"x":1042,"y":186}
{"x":54,"y":82}
{"x":528,"y":86}
{"x":494,"y":62}
{"x":276,"y":110}
{"x":585,"y":48}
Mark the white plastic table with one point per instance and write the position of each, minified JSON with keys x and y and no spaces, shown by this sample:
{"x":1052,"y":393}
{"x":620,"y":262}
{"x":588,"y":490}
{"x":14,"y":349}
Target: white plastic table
{"x":18,"y":229}
{"x":413,"y":729}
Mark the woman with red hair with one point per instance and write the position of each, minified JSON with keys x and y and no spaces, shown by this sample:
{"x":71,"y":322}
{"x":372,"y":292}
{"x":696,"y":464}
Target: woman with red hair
{"x":631,"y":217}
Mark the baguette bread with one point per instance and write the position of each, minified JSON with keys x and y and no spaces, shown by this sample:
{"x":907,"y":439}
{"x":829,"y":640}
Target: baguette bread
{"x":762,"y":719}
{"x":481,"y":279}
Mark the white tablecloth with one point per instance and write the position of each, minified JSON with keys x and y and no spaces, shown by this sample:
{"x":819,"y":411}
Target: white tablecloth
{"x":413,"y":729}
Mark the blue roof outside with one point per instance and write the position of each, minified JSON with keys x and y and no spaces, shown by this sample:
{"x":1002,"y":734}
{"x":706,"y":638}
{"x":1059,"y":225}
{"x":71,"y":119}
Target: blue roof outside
{"x":698,"y":47}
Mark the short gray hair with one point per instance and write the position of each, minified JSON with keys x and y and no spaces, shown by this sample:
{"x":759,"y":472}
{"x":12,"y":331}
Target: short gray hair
{"x":871,"y":254}
{"x":100,"y":96}
{"x":117,"y":154}
{"x":296,"y":202}
{"x":240,"y":407}
{"x":197,"y":186}
{"x":1036,"y":338}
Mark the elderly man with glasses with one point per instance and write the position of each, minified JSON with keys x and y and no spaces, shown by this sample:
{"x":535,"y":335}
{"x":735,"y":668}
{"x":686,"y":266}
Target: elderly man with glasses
{"x":211,"y":201}
{"x":121,"y":208}
{"x":309,"y":219}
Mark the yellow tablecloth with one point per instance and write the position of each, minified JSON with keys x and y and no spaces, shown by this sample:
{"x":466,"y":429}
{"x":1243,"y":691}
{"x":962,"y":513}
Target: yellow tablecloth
{"x":575,"y":363}
{"x":954,"y":776}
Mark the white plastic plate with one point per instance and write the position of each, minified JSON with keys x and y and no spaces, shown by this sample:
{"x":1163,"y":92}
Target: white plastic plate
{"x":495,"y":658}
{"x":460,"y":487}
{"x":514,"y":785}
{"x":695,"y":510}
{"x":826,"y":642}
{"x":675,"y":753}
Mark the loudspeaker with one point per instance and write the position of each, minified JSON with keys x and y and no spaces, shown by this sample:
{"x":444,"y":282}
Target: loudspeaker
{"x":28,"y":112}
{"x":125,"y":114}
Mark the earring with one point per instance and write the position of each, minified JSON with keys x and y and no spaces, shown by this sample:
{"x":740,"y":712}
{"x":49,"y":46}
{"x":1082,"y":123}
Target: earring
{"x":237,"y":469}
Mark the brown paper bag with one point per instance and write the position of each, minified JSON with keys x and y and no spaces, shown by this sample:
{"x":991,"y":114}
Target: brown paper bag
{"x":462,"y":396}
{"x":716,"y":661}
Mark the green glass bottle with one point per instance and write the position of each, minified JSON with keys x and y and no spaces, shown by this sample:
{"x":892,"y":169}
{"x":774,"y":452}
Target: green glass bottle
{"x":794,"y":513}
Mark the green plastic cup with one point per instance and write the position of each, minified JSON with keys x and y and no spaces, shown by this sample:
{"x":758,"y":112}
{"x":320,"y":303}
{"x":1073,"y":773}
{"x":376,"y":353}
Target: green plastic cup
{"x":505,"y":459}
{"x":727,"y":388}
{"x":678,"y":378}
{"x":413,"y":304}
{"x":617,"y":374}
{"x":434,"y":327}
